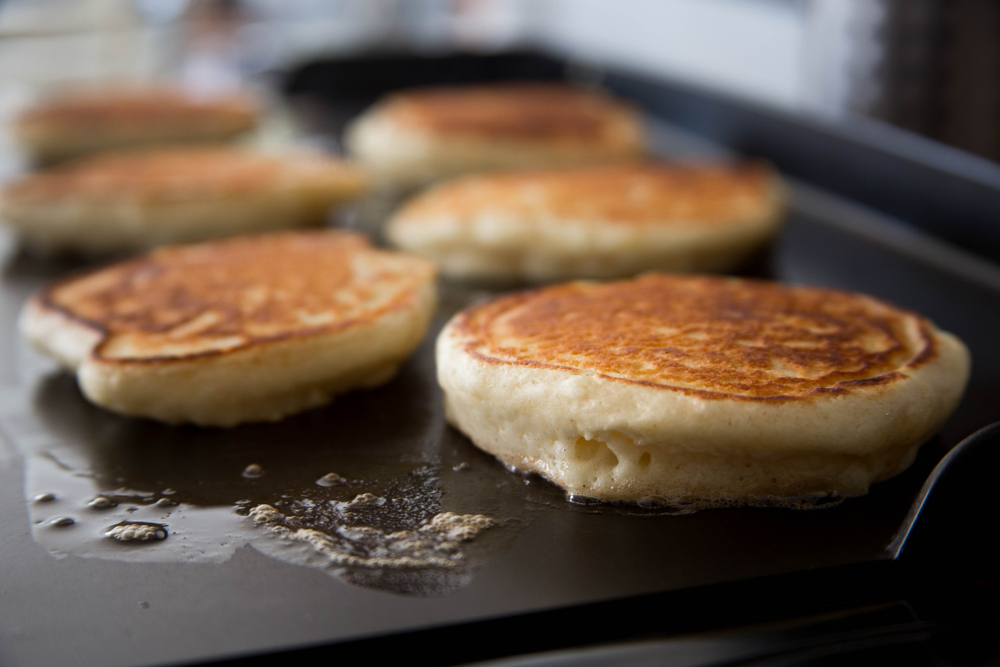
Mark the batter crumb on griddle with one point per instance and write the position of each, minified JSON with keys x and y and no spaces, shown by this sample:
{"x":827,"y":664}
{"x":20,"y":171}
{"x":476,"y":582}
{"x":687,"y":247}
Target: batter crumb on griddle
{"x":435,"y":544}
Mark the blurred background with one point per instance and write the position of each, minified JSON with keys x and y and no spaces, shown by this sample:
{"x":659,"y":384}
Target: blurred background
{"x":928,"y":66}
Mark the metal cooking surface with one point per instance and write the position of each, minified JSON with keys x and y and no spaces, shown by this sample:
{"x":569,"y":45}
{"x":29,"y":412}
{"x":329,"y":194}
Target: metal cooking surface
{"x":238,"y":592}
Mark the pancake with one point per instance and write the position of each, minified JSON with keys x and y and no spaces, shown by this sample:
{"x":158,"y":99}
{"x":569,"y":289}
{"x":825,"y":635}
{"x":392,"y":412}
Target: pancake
{"x":605,"y":221}
{"x":247,"y":329}
{"x":420,"y":135}
{"x":136,"y":199}
{"x":697,"y":392}
{"x":77,"y":122}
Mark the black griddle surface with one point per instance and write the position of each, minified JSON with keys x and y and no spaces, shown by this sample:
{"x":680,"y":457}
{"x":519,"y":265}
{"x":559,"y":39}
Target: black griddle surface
{"x":549,"y":554}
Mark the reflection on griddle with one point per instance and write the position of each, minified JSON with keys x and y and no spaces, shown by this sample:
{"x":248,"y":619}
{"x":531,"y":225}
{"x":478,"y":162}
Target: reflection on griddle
{"x":382,"y":523}
{"x":390,"y":430}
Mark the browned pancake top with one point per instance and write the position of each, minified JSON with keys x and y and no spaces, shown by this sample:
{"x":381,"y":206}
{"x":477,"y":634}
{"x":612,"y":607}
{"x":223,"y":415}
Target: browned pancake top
{"x":714,"y":337}
{"x":525,"y":111}
{"x":118,"y":109}
{"x":624,"y":194}
{"x":209,"y":298}
{"x":180,"y":173}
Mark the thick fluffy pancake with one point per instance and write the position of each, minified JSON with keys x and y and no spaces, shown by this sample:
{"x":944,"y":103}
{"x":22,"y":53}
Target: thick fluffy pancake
{"x":135,"y":199}
{"x":700,"y":391}
{"x":248,"y":329}
{"x":419,"y":135}
{"x":84,"y":121}
{"x":593,"y":222}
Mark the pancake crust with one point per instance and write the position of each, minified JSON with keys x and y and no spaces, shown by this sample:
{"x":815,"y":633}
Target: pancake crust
{"x":712,"y":337}
{"x":122,"y":200}
{"x":422,"y":134}
{"x":248,"y":329}
{"x":601,"y":222}
{"x":700,"y":391}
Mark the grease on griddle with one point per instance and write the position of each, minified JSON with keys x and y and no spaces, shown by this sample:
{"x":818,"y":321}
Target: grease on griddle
{"x":101,"y":503}
{"x":388,"y":469}
{"x":363,"y":500}
{"x":434,"y":544}
{"x":253,"y":471}
{"x":137,"y":531}
{"x":331,"y":479}
{"x":398,"y":541}
{"x":652,"y":501}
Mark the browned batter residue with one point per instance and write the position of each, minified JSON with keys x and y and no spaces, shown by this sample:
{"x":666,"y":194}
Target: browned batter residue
{"x":710,"y":336}
{"x":226,"y":295}
{"x":619,"y":194}
{"x":529,"y":111}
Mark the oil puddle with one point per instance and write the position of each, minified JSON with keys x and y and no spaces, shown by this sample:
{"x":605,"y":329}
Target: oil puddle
{"x":371,"y":489}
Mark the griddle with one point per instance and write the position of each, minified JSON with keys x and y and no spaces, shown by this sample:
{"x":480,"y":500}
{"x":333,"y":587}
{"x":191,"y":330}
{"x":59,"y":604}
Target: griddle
{"x":554,"y":574}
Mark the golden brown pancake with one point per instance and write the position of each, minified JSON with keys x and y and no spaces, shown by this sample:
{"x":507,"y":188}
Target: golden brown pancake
{"x":224,"y":296}
{"x":700,"y":391}
{"x":121,"y":200}
{"x":423,"y":134}
{"x":248,"y":329}
{"x":84,"y":121}
{"x":601,"y":221}
{"x":710,"y":336}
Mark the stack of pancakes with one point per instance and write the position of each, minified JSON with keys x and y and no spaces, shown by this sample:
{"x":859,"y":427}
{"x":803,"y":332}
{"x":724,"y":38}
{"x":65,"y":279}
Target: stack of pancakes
{"x":692,"y":391}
